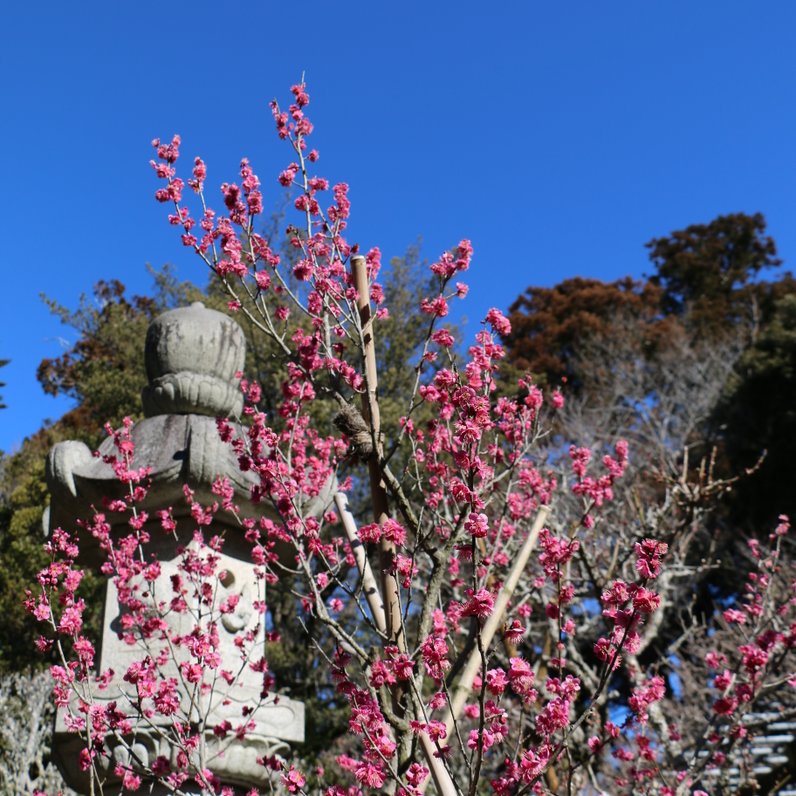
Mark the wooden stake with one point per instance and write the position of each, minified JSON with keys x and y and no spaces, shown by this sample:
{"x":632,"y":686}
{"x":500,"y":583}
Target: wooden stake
{"x":465,"y":684}
{"x":369,"y":585}
{"x":378,"y":490}
{"x":391,"y":605}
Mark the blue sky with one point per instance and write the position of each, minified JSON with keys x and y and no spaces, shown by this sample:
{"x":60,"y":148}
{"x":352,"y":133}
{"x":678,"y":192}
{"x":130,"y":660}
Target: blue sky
{"x":558,"y":137}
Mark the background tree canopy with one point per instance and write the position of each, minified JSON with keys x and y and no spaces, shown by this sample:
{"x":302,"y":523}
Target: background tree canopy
{"x":700,"y":356}
{"x":710,"y":289}
{"x":707,"y":290}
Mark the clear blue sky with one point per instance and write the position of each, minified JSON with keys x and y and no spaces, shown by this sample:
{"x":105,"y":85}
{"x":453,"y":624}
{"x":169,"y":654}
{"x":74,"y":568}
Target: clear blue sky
{"x":559,"y":137}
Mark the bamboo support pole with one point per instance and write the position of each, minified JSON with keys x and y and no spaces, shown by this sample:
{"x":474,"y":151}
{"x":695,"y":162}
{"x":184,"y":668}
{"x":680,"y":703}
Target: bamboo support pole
{"x":439,"y":773}
{"x":369,"y":585}
{"x":389,"y":583}
{"x":389,"y":608}
{"x":465,"y":684}
{"x":378,"y":489}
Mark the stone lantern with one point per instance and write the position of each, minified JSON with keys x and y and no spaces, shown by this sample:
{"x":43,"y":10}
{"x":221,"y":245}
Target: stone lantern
{"x":192,"y":355}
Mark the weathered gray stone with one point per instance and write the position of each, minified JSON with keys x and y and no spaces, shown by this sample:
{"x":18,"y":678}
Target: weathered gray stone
{"x":192,"y":355}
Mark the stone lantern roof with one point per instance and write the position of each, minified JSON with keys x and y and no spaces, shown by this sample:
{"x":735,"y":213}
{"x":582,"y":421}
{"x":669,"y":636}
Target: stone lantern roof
{"x":192,"y":356}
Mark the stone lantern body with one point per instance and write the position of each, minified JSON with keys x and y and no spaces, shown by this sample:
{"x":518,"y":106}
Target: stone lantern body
{"x":192,"y":356}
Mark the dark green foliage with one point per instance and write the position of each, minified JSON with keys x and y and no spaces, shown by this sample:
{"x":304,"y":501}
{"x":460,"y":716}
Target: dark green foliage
{"x":400,"y":338}
{"x":22,"y":502}
{"x":758,"y":417}
{"x":708,"y":272}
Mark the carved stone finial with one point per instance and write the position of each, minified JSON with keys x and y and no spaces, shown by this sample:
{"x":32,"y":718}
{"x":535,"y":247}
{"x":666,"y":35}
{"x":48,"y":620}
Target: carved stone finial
{"x":192,"y":355}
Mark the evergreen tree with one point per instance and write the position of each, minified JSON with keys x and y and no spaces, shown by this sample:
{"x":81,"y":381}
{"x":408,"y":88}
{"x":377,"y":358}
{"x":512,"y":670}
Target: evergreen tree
{"x":758,"y":419}
{"x":709,"y":273}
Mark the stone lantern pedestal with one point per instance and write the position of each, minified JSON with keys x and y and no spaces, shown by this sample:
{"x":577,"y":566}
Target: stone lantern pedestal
{"x":192,"y":355}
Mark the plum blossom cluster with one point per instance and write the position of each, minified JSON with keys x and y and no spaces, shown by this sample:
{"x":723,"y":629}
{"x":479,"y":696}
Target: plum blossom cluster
{"x":742,"y":656}
{"x":475,"y":619}
{"x":472,"y":469}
